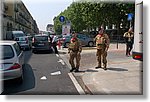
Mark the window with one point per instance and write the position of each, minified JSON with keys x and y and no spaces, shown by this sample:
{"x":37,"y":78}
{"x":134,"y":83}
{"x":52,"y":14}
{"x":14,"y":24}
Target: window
{"x":19,"y":35}
{"x":7,"y":52}
{"x":41,"y":38}
{"x":17,"y":48}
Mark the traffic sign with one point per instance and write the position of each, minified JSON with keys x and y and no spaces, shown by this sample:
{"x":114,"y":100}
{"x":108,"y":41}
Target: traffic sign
{"x":61,"y":18}
{"x":130,"y":16}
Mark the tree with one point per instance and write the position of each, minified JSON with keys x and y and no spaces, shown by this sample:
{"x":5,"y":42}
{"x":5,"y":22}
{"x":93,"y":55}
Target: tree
{"x":91,"y":15}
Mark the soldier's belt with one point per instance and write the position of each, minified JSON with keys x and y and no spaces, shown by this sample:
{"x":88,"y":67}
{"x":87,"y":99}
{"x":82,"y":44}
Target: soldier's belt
{"x":100,"y":44}
{"x":74,"y":50}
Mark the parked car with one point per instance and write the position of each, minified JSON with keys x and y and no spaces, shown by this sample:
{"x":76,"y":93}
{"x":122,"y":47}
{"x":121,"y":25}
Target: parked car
{"x":84,"y":39}
{"x":11,"y":61}
{"x":20,"y":37}
{"x":41,"y":43}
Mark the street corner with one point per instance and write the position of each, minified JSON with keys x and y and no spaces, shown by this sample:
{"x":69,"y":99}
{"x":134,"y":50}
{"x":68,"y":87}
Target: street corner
{"x":112,"y":81}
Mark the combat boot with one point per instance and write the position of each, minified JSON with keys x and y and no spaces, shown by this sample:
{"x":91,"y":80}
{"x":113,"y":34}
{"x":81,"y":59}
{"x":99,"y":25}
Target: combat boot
{"x":99,"y":66}
{"x":76,"y":70}
{"x":72,"y":69}
{"x":105,"y":67}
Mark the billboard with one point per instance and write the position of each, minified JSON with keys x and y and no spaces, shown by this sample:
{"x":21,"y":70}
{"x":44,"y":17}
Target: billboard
{"x":66,"y":29}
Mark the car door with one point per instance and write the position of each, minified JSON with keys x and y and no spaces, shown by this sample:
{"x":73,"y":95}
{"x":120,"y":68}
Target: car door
{"x":82,"y":39}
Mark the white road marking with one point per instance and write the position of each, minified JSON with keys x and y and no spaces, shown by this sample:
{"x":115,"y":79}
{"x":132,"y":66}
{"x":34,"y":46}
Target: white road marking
{"x":43,"y":78}
{"x":61,"y":61}
{"x":57,"y":55}
{"x":56,"y":73}
{"x":78,"y":87}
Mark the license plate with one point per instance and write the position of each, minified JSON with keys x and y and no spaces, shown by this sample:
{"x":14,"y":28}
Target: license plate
{"x":1,"y":66}
{"x":41,"y":44}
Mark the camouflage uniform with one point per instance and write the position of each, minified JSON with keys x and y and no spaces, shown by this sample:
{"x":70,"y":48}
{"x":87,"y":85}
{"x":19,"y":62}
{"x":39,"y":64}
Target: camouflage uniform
{"x":102,"y":44}
{"x":74,"y":50}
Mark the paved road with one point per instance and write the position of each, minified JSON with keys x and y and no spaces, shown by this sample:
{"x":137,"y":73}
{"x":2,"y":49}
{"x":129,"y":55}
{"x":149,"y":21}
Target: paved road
{"x":40,"y":76}
{"x":123,"y":76}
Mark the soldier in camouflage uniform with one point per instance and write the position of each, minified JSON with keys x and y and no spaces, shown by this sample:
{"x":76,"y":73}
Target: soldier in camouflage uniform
{"x":102,"y":44}
{"x":74,"y":50}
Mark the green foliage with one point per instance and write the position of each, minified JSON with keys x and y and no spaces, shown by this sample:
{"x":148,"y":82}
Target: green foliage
{"x":87,"y":15}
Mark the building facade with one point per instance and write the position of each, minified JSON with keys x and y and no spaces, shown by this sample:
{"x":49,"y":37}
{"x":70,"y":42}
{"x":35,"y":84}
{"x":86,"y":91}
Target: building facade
{"x":16,"y":16}
{"x":50,"y":27}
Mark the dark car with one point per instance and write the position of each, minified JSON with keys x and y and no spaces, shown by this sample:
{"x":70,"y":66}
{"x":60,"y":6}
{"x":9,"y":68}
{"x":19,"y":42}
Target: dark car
{"x":41,"y":43}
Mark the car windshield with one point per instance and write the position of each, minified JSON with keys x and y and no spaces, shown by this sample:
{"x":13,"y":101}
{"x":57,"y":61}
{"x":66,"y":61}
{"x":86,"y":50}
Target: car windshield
{"x":6,"y":52}
{"x":41,"y":38}
{"x":19,"y":35}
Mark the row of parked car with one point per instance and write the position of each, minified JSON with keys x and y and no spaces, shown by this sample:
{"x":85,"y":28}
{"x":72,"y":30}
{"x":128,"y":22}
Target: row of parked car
{"x":11,"y":54}
{"x":36,"y":42}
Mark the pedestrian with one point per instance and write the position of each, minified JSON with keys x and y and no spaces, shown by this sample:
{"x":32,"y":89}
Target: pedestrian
{"x":54,"y":43}
{"x":102,"y":45}
{"x":74,"y":51}
{"x":129,"y":39}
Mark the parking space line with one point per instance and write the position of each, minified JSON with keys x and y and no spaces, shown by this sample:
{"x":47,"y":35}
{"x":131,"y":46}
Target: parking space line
{"x":61,"y":61}
{"x":43,"y":78}
{"x":78,"y":87}
{"x":57,"y":55}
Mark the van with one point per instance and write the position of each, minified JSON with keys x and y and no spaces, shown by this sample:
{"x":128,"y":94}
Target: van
{"x":137,"y":52}
{"x":20,"y":37}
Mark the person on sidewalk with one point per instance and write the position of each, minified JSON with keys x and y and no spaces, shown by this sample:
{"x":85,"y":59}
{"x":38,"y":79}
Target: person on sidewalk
{"x":54,"y":43}
{"x":102,"y":45}
{"x":129,"y":38}
{"x":74,"y":50}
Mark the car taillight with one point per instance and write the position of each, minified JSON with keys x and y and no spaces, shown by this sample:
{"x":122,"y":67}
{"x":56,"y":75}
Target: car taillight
{"x":64,"y":39}
{"x":137,"y":56}
{"x":15,"y":66}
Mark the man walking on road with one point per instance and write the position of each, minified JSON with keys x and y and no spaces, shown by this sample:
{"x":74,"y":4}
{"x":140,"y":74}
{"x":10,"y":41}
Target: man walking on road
{"x":54,"y":43}
{"x":102,"y":45}
{"x":74,"y":50}
{"x":129,"y":41}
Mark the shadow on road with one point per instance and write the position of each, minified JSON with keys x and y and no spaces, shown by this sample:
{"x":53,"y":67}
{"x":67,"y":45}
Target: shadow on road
{"x":11,"y":87}
{"x":117,"y":69}
{"x":90,"y":70}
{"x":43,"y":52}
{"x":27,"y":56}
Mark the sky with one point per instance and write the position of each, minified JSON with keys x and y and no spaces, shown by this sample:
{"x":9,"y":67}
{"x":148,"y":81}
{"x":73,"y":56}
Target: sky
{"x":43,"y":11}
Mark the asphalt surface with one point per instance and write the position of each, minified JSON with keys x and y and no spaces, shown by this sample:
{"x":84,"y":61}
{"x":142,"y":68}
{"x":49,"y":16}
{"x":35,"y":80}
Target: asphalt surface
{"x":43,"y":75}
{"x":123,"y":77}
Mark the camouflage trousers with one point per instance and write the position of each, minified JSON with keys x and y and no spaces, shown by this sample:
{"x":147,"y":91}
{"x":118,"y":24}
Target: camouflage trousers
{"x":101,"y":57}
{"x":75,"y":55}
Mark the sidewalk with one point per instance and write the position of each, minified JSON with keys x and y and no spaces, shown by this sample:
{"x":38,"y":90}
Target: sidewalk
{"x":123,"y":76}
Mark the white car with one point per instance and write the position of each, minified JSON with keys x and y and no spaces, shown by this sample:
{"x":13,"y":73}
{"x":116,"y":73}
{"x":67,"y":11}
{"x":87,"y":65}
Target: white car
{"x":11,"y":61}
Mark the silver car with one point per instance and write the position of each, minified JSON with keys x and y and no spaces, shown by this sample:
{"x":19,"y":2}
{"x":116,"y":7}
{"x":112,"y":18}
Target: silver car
{"x":11,"y":61}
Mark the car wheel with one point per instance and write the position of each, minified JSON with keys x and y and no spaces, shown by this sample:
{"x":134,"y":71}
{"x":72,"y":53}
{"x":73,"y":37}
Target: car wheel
{"x":20,"y":80}
{"x":67,"y":44}
{"x":33,"y":51}
{"x":90,"y":44}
